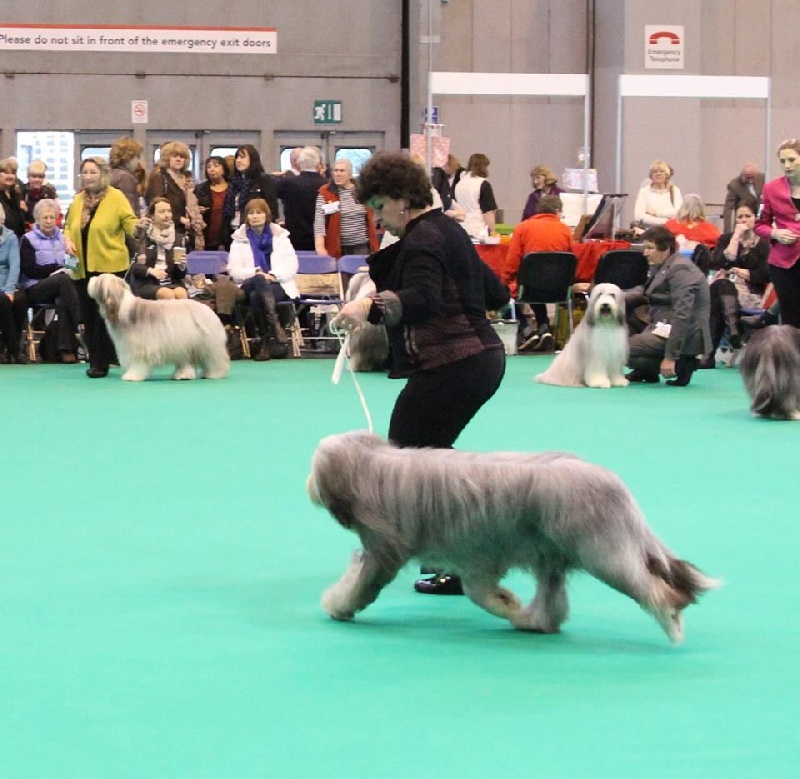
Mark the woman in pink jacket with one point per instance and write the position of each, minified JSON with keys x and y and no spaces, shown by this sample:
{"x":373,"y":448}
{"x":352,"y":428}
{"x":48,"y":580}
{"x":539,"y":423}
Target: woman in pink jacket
{"x":779,"y":223}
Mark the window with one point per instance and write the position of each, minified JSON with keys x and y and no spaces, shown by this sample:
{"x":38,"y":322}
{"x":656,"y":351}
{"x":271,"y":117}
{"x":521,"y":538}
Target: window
{"x":56,"y":150}
{"x":357,"y":156}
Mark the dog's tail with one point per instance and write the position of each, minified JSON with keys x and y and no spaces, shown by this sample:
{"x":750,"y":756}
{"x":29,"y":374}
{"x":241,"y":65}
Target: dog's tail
{"x":769,"y":367}
{"x":675,"y":585}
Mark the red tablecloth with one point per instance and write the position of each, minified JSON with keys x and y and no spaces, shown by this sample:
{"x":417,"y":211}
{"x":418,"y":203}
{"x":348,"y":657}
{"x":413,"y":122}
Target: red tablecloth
{"x":588,"y":255}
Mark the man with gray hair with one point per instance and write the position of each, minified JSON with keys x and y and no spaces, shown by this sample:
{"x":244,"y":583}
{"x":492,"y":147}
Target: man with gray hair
{"x":744,"y":190}
{"x":298,"y":195}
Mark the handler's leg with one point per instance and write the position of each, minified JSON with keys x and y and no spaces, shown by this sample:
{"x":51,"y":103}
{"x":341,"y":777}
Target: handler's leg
{"x":646,"y":351}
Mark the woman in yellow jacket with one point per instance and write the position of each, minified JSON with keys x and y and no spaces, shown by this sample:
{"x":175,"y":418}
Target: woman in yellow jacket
{"x":95,"y":228}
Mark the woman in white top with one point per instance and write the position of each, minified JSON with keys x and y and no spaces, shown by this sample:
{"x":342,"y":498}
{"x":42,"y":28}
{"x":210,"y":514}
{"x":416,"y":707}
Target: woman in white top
{"x":263,"y":262}
{"x":658,"y":201}
{"x":474,"y":194}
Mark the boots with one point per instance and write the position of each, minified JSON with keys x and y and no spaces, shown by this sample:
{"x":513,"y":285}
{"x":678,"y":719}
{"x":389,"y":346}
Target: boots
{"x":278,"y":345}
{"x":262,"y":325}
{"x":730,"y":313}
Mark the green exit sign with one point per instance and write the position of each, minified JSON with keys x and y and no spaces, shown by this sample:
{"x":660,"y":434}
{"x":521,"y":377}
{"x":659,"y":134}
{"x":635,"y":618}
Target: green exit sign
{"x":327,"y":111}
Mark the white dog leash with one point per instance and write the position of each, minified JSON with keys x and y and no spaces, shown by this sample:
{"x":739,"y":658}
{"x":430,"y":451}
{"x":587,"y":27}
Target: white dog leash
{"x":338,"y":368}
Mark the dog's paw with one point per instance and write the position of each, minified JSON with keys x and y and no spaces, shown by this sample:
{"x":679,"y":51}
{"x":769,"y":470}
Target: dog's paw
{"x":619,"y":381}
{"x":184,"y":373}
{"x":532,"y":622}
{"x":598,"y":382}
{"x":333,"y":606}
{"x":134,"y":376}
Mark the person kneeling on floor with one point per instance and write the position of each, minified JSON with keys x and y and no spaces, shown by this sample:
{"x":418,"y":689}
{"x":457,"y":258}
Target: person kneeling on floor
{"x":678,"y":327}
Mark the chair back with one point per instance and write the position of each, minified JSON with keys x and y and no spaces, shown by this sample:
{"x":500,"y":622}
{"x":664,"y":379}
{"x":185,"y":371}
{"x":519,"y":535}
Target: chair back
{"x":207,"y":262}
{"x":352,"y":263}
{"x":546,"y":277}
{"x":317,"y":275}
{"x":627,"y":268}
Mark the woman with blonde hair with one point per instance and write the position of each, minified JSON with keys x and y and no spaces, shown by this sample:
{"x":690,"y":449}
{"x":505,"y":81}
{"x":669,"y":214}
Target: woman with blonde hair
{"x":94,"y":235}
{"x":659,"y":200}
{"x":169,"y":179}
{"x":544,"y":183}
{"x":691,"y":226}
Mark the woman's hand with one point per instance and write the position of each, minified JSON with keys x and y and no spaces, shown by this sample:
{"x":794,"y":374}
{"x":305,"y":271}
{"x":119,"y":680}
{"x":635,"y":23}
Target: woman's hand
{"x":69,"y":245}
{"x":352,"y":315}
{"x":668,"y":368}
{"x":159,"y":274}
{"x":185,"y":221}
{"x":782,"y":235}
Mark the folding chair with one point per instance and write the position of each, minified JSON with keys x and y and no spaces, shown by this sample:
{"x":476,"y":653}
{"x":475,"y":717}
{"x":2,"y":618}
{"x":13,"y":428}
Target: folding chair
{"x":320,"y":285}
{"x":547,"y":277}
{"x":39,"y":316}
{"x":627,"y":268}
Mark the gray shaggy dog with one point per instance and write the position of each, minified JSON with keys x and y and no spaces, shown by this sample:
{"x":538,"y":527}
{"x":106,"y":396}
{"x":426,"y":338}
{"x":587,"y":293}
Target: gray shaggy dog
{"x":770,"y":369}
{"x":480,"y":515}
{"x":369,"y":345}
{"x":147,"y":333}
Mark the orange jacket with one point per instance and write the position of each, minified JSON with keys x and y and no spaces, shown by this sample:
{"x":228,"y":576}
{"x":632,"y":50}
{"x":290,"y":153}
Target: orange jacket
{"x":539,"y":233}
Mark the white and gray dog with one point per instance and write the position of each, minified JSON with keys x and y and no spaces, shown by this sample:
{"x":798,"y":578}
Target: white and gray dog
{"x":770,"y":368}
{"x":481,"y":515}
{"x":369,"y":345}
{"x":148,"y":333}
{"x":596,"y":353}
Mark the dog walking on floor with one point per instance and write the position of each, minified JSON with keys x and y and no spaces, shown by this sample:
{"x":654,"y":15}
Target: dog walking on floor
{"x":149,"y":333}
{"x":481,"y":515}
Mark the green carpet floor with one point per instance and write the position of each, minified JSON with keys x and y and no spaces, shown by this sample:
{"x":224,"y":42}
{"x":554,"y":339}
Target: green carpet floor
{"x":161,"y":572}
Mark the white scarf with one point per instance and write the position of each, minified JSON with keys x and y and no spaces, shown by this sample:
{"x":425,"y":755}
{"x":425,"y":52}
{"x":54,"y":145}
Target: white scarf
{"x":163,"y":236}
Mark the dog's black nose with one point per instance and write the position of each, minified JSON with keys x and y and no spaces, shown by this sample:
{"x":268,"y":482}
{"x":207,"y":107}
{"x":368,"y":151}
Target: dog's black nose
{"x":605,"y":308}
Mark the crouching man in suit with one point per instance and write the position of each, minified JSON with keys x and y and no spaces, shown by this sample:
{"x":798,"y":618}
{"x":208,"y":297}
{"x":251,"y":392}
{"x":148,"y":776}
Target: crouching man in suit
{"x":678,"y":329}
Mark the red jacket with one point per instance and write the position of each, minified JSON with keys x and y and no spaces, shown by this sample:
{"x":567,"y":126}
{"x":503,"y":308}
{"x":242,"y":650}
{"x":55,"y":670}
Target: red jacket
{"x":539,"y":233}
{"x":778,"y":211}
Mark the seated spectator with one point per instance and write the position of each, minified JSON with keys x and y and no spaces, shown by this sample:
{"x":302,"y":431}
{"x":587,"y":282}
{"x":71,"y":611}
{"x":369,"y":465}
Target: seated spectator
{"x":690,"y":225}
{"x":45,"y":277}
{"x":744,"y":190}
{"x":37,"y":189}
{"x":678,"y":331}
{"x":263,"y":261}
{"x":160,"y":266}
{"x":659,"y":200}
{"x":13,"y":302}
{"x":543,"y":232}
{"x":544,"y":183}
{"x":474,"y":195}
{"x":11,"y":197}
{"x":740,"y":259}
{"x":298,"y":193}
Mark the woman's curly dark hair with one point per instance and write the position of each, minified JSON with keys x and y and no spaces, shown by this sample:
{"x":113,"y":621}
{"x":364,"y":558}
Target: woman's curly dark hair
{"x":394,"y":175}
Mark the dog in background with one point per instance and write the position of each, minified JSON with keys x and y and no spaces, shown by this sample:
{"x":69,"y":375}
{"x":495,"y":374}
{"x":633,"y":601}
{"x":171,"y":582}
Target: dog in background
{"x":480,"y":515}
{"x":148,"y":333}
{"x":369,"y":345}
{"x":770,"y":367}
{"x":596,"y":353}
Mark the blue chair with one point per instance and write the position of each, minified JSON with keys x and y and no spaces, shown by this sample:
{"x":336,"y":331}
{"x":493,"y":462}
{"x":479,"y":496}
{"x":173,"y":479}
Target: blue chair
{"x":209,"y":263}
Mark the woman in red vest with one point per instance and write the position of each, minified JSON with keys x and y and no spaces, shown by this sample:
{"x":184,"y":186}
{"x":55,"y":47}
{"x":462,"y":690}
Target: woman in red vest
{"x":342,"y":225}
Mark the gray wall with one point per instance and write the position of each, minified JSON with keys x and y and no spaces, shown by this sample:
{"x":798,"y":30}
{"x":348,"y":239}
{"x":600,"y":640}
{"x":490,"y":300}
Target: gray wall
{"x":351,"y":50}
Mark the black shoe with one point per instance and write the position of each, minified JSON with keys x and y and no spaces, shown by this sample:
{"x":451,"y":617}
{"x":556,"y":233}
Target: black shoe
{"x":441,"y":584}
{"x":684,"y":368}
{"x":709,"y":361}
{"x":97,"y":372}
{"x":637,"y":376}
{"x":262,"y":354}
{"x":278,"y":351}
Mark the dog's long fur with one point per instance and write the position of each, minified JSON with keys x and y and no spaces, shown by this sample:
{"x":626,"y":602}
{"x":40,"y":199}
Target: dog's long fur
{"x":369,"y":345}
{"x":770,"y":368}
{"x":598,"y":349}
{"x":480,"y":515}
{"x":148,"y":333}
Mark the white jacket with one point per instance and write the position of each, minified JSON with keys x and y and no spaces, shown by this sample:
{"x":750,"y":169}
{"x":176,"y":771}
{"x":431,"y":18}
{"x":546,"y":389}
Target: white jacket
{"x":241,"y":265}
